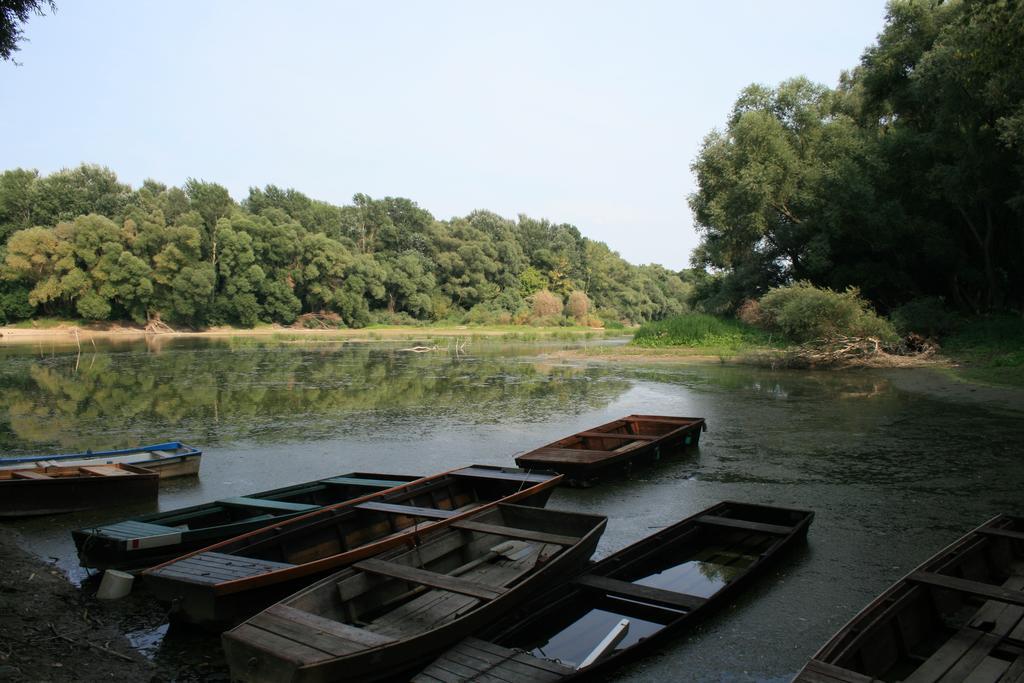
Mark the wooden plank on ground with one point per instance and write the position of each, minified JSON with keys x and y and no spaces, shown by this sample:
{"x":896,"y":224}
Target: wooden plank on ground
{"x":410,"y":510}
{"x":761,"y":527}
{"x":512,"y":532}
{"x":428,"y":578}
{"x":658,"y":596}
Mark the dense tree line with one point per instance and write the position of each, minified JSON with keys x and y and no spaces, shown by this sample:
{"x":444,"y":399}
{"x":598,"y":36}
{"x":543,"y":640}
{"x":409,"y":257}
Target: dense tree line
{"x":906,"y":180}
{"x":79,"y":243}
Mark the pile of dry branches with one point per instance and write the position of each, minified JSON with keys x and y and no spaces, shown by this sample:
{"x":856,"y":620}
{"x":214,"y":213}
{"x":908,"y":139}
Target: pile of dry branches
{"x":843,"y":351}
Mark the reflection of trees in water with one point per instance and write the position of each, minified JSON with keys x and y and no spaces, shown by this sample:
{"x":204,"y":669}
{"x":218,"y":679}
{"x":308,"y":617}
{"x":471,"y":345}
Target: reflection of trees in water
{"x":278,"y":393}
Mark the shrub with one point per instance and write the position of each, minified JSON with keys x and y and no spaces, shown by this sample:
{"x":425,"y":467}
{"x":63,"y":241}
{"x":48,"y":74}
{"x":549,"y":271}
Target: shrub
{"x":697,"y":329}
{"x":803,"y":312}
{"x":546,"y":303}
{"x":750,"y":313}
{"x":928,"y":317}
{"x":578,"y":305}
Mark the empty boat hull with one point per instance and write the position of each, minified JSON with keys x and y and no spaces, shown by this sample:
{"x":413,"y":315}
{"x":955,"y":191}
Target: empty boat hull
{"x":229,"y":581}
{"x":50,"y":490}
{"x":659,"y":587}
{"x":957,"y":617}
{"x":306,"y":638}
{"x":144,"y":541}
{"x":615,"y":447}
{"x":169,"y":459}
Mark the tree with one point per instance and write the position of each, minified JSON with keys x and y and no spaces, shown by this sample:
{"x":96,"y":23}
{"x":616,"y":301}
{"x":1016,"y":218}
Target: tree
{"x":578,"y":305}
{"x":14,"y":13}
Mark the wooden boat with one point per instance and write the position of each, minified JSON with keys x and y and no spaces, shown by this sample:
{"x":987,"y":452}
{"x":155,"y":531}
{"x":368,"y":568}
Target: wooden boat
{"x":630,"y":602}
{"x":234,"y":579}
{"x":48,"y":490}
{"x":586,"y":455}
{"x":169,"y":459}
{"x":382,"y":616}
{"x":957,"y":617}
{"x":144,"y":541}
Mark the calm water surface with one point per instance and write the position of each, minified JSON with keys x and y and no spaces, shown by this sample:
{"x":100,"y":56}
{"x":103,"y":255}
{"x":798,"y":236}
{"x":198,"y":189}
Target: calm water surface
{"x":892,"y":473}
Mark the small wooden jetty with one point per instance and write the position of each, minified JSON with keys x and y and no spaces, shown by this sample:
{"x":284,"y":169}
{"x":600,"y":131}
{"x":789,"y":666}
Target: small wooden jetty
{"x":151,"y":539}
{"x":48,"y":490}
{"x":229,"y":581}
{"x":628,"y":603}
{"x":383,"y":616}
{"x":168,"y":459}
{"x":587,"y":455}
{"x":957,"y":617}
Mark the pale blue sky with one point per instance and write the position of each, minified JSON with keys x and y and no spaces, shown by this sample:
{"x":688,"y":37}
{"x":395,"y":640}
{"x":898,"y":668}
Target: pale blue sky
{"x":588,"y":113}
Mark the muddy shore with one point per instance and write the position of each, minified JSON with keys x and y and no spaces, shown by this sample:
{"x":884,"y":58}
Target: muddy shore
{"x":52,"y":630}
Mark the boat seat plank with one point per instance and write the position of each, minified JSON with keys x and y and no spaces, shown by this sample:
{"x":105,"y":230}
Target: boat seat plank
{"x":658,"y":596}
{"x":105,"y":470}
{"x":580,"y":456}
{"x":1003,"y":533}
{"x":663,"y":419}
{"x":485,"y":646}
{"x":761,"y":527}
{"x":428,"y":578}
{"x":983,"y":590}
{"x":512,"y":532}
{"x":267,"y":504}
{"x":282,"y":646}
{"x":618,"y":435}
{"x":498,"y":474}
{"x":130,"y":529}
{"x":990,"y":670}
{"x":212,"y":568}
{"x":356,"y":481}
{"x":324,"y":634}
{"x":410,"y":510}
{"x":29,"y":474}
{"x":1015,"y":673}
{"x":476,"y":660}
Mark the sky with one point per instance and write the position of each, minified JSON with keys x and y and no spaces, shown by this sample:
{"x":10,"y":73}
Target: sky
{"x":581,"y":112}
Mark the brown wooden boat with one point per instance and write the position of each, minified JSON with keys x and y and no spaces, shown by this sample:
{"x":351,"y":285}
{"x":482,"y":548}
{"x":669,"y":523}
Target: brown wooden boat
{"x":382,"y":616}
{"x":587,"y":455}
{"x":168,"y":459}
{"x":229,"y":581}
{"x":957,"y":617}
{"x":48,"y":490}
{"x":628,"y":603}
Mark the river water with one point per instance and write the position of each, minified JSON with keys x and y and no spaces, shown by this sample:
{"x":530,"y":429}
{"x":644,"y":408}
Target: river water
{"x":893,"y":469}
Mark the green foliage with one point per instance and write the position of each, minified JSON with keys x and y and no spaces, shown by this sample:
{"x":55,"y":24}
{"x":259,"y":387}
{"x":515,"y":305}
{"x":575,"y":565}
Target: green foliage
{"x":927,"y":316}
{"x":699,"y":330}
{"x":14,"y":13}
{"x":82,"y":243}
{"x":905,"y":181}
{"x":990,"y":348}
{"x":804,"y":312}
{"x":14,"y":303}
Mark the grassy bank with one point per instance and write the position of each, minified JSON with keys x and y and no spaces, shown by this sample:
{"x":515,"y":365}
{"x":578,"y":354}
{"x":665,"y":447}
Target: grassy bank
{"x":703,"y":335}
{"x":989,"y":349}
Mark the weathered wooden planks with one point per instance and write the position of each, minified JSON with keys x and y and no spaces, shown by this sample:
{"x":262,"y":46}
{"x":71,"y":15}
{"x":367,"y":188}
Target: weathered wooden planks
{"x":428,"y":578}
{"x":625,"y":589}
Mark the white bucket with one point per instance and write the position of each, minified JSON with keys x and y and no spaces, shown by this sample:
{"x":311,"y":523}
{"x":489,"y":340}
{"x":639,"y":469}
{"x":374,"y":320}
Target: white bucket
{"x":115,"y":584}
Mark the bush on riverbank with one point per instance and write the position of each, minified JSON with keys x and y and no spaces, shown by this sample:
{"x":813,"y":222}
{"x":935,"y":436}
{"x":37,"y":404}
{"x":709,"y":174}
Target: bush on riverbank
{"x":803,"y":312}
{"x":700,"y":330}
